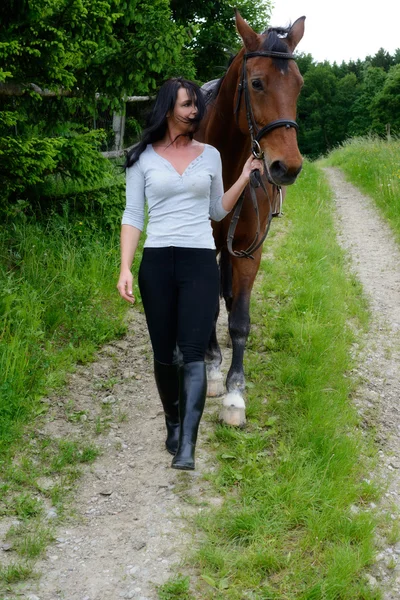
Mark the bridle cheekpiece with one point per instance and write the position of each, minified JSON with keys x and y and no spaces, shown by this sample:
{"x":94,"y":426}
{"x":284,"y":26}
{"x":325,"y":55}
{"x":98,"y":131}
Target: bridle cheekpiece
{"x":256,"y":133}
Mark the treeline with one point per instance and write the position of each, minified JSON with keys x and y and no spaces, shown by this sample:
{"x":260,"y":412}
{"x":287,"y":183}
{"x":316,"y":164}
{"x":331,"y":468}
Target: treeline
{"x":348,"y":100}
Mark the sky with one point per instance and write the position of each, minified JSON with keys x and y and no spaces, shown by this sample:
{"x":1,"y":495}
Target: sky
{"x":342,"y":29}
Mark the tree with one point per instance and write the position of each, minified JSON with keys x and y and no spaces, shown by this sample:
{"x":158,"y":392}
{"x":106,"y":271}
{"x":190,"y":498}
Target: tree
{"x":213,"y":32}
{"x":345,"y":97}
{"x":385,"y":106}
{"x":361,"y":121}
{"x":382,"y":59}
{"x":88,"y":46}
{"x":305,"y":62}
{"x":113,"y":47}
{"x":315,"y":109}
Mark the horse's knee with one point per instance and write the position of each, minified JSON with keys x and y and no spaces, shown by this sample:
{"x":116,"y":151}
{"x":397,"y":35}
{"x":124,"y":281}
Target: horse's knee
{"x":239,"y":327}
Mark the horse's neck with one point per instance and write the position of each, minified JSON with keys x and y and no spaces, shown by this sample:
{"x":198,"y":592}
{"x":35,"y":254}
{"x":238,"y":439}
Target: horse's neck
{"x":221,"y":129}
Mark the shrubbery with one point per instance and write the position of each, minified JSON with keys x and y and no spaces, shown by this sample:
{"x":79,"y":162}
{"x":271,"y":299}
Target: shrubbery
{"x":28,"y":162}
{"x":58,"y":303}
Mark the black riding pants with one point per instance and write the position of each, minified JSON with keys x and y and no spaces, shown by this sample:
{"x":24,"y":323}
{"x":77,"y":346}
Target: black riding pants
{"x":179,"y":289}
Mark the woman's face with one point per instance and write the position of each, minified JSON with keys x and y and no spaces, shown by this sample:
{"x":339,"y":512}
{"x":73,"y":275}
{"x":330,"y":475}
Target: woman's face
{"x":184,"y":110}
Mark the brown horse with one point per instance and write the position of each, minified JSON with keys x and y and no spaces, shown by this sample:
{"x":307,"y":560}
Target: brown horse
{"x":252,"y":108}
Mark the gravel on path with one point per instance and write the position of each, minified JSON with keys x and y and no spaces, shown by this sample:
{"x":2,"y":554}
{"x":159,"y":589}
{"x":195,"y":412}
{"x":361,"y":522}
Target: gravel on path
{"x":130,"y":529}
{"x":375,"y":258}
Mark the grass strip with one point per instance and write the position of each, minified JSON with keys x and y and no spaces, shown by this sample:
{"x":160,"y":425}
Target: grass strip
{"x":296,"y":523}
{"x":373,"y":165}
{"x":58,"y":303}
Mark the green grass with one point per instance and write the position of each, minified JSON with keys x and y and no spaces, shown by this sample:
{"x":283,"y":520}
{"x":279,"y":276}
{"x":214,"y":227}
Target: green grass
{"x":30,"y":538}
{"x":286,"y":530}
{"x":26,"y":498}
{"x":176,"y":588}
{"x":15,"y":573}
{"x":58,"y":304}
{"x":373,"y":165}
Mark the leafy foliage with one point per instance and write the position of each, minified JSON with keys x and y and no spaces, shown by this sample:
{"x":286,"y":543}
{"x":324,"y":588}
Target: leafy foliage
{"x":386,"y":104}
{"x":111,"y":46}
{"x":213,"y":31}
{"x":78,"y":47}
{"x":25,"y":163}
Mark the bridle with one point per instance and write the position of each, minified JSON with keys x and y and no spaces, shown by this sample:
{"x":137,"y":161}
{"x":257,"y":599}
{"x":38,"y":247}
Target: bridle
{"x":256,"y":134}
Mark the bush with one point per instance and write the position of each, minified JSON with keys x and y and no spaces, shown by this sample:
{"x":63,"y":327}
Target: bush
{"x":28,"y":162}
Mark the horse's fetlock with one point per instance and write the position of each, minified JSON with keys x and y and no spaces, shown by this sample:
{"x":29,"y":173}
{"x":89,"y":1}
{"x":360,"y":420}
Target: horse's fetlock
{"x":235,"y":383}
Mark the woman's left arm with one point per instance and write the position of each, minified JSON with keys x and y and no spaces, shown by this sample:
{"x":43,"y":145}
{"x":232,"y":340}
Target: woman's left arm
{"x":231,"y":196}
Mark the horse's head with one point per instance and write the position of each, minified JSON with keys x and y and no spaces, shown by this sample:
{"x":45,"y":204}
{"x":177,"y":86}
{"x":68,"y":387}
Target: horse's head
{"x":273,"y":86}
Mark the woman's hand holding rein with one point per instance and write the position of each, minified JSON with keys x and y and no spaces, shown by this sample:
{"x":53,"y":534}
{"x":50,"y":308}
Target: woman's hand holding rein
{"x":231,"y":196}
{"x":252,"y":164}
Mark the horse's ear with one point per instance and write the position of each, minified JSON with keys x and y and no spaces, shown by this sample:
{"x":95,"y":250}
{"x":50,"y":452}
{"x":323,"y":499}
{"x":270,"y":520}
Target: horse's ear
{"x":295,"y":34}
{"x":249,"y":37}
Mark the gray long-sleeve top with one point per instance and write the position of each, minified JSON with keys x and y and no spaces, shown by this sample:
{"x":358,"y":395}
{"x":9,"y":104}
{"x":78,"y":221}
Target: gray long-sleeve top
{"x":179,"y":206}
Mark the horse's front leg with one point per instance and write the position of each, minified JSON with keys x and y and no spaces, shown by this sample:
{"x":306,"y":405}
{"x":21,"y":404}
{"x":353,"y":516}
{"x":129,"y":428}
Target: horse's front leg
{"x":215,"y":382}
{"x":244,"y":272}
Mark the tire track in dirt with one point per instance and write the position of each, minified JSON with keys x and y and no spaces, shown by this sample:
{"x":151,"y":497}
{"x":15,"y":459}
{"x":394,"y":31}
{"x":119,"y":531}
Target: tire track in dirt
{"x":375,"y":258}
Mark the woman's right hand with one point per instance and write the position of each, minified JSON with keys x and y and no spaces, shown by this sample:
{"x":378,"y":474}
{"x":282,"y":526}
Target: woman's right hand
{"x":125,"y":286}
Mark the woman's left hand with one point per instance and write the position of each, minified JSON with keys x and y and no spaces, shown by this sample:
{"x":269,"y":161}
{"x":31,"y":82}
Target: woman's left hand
{"x":252,"y":164}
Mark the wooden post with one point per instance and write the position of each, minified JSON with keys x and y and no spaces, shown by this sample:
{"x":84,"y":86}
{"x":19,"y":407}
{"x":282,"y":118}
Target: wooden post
{"x":118,"y":126}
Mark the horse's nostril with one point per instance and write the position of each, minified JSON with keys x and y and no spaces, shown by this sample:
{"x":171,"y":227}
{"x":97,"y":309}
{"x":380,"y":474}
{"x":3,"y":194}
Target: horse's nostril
{"x":278,"y":168}
{"x":282,"y":174}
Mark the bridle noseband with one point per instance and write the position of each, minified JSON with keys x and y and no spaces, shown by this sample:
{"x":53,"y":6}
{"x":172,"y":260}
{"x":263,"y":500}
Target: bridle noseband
{"x":256,"y":134}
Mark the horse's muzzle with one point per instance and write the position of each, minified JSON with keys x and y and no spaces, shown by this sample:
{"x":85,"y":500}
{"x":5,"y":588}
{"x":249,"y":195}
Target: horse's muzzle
{"x":282,"y":174}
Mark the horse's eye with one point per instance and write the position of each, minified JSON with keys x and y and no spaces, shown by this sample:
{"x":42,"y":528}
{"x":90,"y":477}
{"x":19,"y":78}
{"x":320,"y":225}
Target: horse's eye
{"x":257,"y":84}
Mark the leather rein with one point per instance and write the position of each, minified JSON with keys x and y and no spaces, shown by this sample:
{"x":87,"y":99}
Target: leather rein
{"x":255,"y":178}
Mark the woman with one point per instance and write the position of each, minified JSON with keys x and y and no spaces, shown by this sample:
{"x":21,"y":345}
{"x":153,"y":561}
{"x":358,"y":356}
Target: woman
{"x":181,"y":179}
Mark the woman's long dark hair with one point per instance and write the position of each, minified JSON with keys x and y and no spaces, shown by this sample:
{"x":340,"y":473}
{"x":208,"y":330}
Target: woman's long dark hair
{"x":157,"y":120}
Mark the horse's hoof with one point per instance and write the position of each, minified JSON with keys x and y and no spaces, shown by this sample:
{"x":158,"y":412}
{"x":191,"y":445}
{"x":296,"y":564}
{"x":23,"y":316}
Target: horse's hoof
{"x":233,"y":410}
{"x":215,"y":383}
{"x":215,"y":388}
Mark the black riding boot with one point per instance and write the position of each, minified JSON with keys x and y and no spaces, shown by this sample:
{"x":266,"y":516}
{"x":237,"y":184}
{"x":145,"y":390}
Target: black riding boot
{"x":192,"y":397}
{"x":167,"y":380}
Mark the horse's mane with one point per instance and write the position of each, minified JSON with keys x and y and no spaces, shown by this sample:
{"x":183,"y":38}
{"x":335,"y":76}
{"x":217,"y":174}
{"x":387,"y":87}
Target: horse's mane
{"x":213,"y":93}
{"x":274,"y":41}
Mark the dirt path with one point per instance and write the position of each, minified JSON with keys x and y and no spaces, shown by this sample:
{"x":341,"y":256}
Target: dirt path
{"x":129,"y":531}
{"x":375,"y":258}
